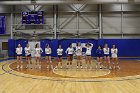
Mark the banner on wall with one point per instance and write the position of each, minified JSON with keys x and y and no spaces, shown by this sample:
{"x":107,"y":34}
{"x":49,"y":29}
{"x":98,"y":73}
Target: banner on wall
{"x":2,"y":24}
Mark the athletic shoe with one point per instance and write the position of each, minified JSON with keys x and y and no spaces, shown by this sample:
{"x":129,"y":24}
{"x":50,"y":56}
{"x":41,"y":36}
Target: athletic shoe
{"x":17,"y":66}
{"x":110,"y":68}
{"x":119,"y":67}
{"x":21,"y":67}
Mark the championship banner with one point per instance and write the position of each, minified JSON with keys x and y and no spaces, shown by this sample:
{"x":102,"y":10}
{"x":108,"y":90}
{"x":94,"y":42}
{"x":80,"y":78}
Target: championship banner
{"x":2,"y":24}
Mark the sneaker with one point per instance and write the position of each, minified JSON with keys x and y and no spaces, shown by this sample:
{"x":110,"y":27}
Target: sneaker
{"x":67,"y":66}
{"x":31,"y":67}
{"x":110,"y":68}
{"x":17,"y":66}
{"x":39,"y":67}
{"x":119,"y":67}
{"x":21,"y":67}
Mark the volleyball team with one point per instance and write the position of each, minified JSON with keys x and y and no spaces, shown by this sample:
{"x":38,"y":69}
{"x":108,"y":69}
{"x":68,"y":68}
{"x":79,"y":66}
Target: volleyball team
{"x":102,"y":55}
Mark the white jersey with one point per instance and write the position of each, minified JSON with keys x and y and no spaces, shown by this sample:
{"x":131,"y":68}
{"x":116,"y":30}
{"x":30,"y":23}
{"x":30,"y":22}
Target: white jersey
{"x":114,"y":53}
{"x":70,"y":51}
{"x":48,"y":51}
{"x":27,"y":51}
{"x":38,"y":52}
{"x":59,"y":51}
{"x":89,"y":49}
{"x":78,"y":50}
{"x":19,"y":51}
{"x":106,"y":51}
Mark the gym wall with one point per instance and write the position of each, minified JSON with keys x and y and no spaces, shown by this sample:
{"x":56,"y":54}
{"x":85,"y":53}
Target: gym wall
{"x":126,"y":47}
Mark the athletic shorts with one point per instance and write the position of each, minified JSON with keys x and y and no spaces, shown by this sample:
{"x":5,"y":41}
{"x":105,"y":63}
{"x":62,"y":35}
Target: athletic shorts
{"x":106,"y":55}
{"x":28,"y":55}
{"x":70,"y":54}
{"x":19,"y":55}
{"x":37,"y":55}
{"x":78,"y":55}
{"x":48,"y":54}
{"x":59,"y":55}
{"x":99,"y":55}
{"x":88,"y":55}
{"x":114,"y":56}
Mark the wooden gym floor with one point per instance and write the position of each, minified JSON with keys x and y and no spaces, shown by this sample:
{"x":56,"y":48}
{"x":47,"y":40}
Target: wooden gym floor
{"x":125,"y":80}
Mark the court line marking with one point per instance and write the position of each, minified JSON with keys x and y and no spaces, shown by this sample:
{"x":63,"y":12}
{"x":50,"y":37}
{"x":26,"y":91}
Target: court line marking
{"x":2,"y":74}
{"x":54,"y":79}
{"x":2,"y":66}
{"x":78,"y":77}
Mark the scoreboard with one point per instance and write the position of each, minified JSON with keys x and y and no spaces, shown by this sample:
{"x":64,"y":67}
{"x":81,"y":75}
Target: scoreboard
{"x":33,"y":17}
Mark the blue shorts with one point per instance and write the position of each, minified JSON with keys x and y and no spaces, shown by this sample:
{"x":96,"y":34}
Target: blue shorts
{"x":28,"y":55}
{"x":59,"y":55}
{"x":48,"y":54}
{"x":88,"y":55}
{"x":99,"y":55}
{"x":19,"y":55}
{"x":106,"y":55}
{"x":70,"y":54}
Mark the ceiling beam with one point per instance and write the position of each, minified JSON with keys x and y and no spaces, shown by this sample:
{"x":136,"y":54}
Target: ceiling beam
{"x":52,"y":2}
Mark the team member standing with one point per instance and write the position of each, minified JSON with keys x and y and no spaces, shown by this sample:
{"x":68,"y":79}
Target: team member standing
{"x":19,"y":57}
{"x":88,"y":47}
{"x":114,"y":55}
{"x":28,"y":55}
{"x":70,"y":52}
{"x":79,"y":55}
{"x":60,"y":54}
{"x":48,"y":52}
{"x":106,"y":51}
{"x":99,"y":53}
{"x":38,"y":52}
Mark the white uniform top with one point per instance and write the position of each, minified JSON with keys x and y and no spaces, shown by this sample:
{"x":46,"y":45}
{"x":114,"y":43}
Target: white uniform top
{"x":19,"y":50}
{"x":106,"y":51}
{"x":89,"y":49}
{"x":59,"y":51}
{"x":27,"y":51}
{"x":114,"y":52}
{"x":38,"y":52}
{"x":78,"y":50}
{"x":48,"y":50}
{"x":70,"y":50}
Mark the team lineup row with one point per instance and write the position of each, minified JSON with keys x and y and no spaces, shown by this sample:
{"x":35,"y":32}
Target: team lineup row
{"x":71,"y":51}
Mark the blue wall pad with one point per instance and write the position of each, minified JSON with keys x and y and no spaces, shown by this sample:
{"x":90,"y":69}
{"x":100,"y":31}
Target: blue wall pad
{"x":126,"y":47}
{"x":12,"y":44}
{"x":11,"y":47}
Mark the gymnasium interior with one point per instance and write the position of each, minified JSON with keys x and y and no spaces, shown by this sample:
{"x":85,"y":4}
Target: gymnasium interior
{"x":64,"y":22}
